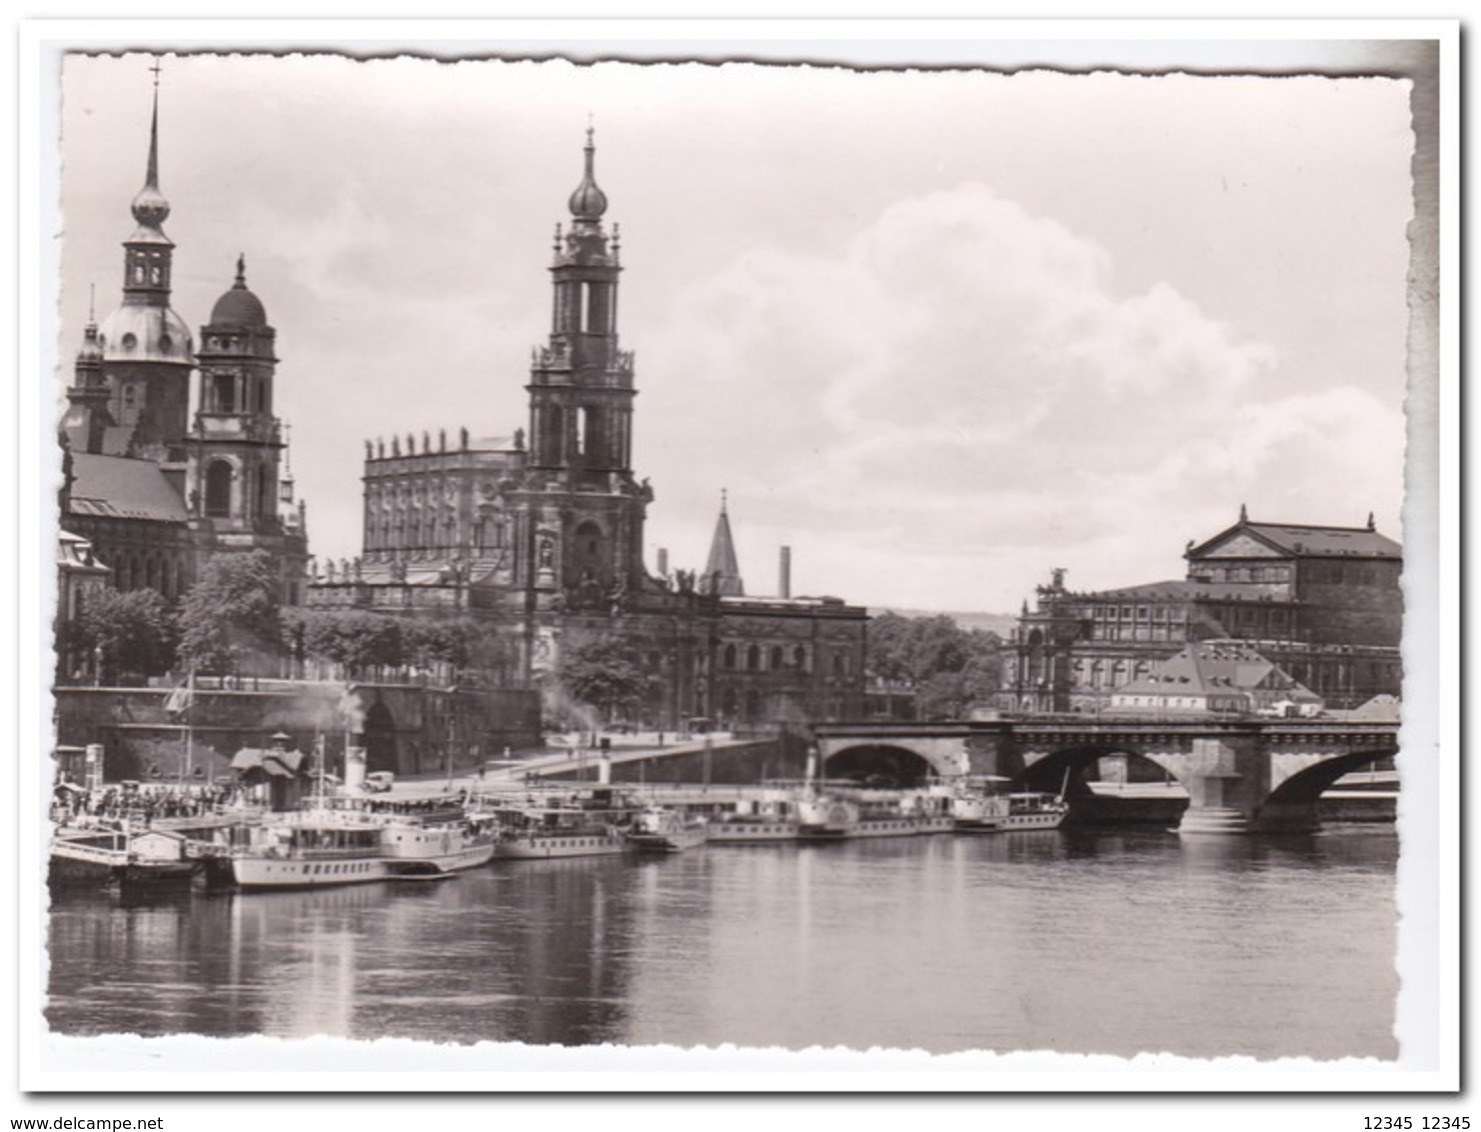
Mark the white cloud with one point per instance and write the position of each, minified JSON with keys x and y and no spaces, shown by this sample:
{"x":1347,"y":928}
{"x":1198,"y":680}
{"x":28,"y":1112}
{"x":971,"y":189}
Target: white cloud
{"x":963,"y":380}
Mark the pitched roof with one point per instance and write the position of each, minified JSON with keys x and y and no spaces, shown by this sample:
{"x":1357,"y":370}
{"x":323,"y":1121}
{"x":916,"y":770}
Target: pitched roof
{"x":1307,"y":541}
{"x":1186,"y":591}
{"x":119,"y":488}
{"x":1217,"y":668}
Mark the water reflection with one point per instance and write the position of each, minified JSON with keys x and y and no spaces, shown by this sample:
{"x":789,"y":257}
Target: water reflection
{"x":1112,"y":942}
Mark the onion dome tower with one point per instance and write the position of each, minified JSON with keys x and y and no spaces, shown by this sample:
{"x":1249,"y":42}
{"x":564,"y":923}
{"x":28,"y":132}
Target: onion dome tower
{"x":581,"y":410}
{"x":581,"y":385}
{"x":146,"y":346}
{"x":237,"y":445}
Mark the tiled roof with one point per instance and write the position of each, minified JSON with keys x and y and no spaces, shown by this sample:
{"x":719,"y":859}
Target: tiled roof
{"x":1216,"y":667}
{"x":1308,"y":541}
{"x":119,"y":488}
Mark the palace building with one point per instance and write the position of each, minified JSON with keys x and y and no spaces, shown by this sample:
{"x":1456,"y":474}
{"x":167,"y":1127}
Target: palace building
{"x":539,"y":534}
{"x":152,"y":489}
{"x":1323,"y":604}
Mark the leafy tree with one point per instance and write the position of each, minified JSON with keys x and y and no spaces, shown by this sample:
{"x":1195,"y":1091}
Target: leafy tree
{"x":231,"y":614}
{"x":357,"y":640}
{"x":134,"y":632}
{"x":947,"y":669}
{"x":606,"y":673}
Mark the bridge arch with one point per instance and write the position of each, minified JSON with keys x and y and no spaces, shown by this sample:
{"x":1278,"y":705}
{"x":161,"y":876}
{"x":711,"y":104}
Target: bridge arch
{"x":1301,"y":779}
{"x":902,"y":765}
{"x":1071,"y":767}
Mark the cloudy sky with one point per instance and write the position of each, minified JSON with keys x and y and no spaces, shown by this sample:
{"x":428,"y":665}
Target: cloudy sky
{"x":940,"y":332}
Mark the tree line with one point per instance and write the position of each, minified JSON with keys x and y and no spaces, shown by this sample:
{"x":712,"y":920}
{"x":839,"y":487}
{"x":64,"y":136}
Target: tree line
{"x":233,"y":622}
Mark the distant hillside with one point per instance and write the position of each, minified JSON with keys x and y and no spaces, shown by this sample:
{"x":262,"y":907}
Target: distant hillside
{"x":1000,"y":623}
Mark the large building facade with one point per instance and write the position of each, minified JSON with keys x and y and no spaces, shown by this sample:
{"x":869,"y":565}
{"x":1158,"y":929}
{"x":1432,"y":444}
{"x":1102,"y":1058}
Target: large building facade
{"x":540,"y":535}
{"x":1323,"y":603}
{"x":153,"y":488}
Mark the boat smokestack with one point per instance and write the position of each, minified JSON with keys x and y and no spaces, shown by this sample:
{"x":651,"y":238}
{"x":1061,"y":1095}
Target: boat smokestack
{"x":784,"y":573}
{"x":354,"y":768}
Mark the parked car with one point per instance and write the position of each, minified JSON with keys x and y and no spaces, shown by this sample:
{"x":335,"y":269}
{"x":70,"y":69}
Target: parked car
{"x":379,"y":782}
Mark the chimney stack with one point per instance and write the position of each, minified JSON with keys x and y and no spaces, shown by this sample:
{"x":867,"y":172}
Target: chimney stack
{"x":784,"y":579}
{"x":663,"y":562}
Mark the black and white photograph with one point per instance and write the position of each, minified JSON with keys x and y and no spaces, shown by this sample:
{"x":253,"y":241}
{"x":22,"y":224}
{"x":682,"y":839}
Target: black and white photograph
{"x":893,"y":563}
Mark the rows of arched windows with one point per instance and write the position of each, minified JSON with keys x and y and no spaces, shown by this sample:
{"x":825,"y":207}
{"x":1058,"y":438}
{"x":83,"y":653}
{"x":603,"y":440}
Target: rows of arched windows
{"x":757,"y":657}
{"x":163,"y":571}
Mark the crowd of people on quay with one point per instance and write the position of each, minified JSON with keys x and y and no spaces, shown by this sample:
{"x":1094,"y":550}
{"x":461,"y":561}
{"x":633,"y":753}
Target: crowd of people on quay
{"x":74,"y":805}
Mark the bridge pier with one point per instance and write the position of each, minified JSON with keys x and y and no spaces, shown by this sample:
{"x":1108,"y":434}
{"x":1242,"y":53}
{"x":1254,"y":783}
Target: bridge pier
{"x":1229,"y":783}
{"x":1222,"y":794}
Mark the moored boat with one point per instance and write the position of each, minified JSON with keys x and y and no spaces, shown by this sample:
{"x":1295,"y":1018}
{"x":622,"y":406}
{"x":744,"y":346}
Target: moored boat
{"x":537,"y":831}
{"x":772,"y":817}
{"x":822,"y":817}
{"x":311,"y":849}
{"x":1034,"y":811}
{"x":416,"y":850}
{"x":153,"y":859}
{"x":667,"y":831}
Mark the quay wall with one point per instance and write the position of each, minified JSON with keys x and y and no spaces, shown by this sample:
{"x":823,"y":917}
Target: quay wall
{"x":407,"y":729}
{"x":726,"y":762}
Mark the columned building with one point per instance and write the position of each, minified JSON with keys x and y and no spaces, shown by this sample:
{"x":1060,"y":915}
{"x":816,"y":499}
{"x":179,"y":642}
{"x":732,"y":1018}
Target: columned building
{"x":540,"y":534}
{"x":1322,"y":603}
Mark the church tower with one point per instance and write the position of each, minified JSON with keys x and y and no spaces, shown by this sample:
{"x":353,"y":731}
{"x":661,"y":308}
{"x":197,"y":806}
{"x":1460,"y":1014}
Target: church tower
{"x":581,"y":384}
{"x":86,"y":421}
{"x":581,"y":409}
{"x":146,"y":346}
{"x":237,"y":444}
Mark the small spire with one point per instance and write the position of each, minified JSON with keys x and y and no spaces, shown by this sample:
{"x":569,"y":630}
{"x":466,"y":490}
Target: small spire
{"x":241,"y":270}
{"x":92,"y":300}
{"x":150,"y":208}
{"x":152,"y":174}
{"x":1244,"y":516}
{"x":722,"y":571}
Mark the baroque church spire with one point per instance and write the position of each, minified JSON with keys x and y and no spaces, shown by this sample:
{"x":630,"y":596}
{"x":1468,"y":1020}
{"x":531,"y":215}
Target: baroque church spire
{"x":150,"y":207}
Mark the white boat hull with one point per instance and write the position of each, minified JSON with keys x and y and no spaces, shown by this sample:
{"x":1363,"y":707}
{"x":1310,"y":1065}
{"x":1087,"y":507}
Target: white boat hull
{"x":252,"y":871}
{"x":753,"y":832}
{"x":539,"y":847}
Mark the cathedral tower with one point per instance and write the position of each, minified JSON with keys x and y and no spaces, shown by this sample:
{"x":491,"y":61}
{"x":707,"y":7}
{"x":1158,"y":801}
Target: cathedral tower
{"x":581,"y":384}
{"x":237,"y":444}
{"x":146,"y":346}
{"x":581,"y":408}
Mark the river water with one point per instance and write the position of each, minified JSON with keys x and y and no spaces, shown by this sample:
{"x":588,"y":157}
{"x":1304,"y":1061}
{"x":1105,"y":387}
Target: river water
{"x":1075,"y":941}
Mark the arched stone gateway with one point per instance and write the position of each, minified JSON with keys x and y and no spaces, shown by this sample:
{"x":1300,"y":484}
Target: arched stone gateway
{"x":380,"y":739}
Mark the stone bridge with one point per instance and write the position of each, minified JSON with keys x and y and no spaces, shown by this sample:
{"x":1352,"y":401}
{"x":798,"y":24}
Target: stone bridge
{"x":1242,"y":776}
